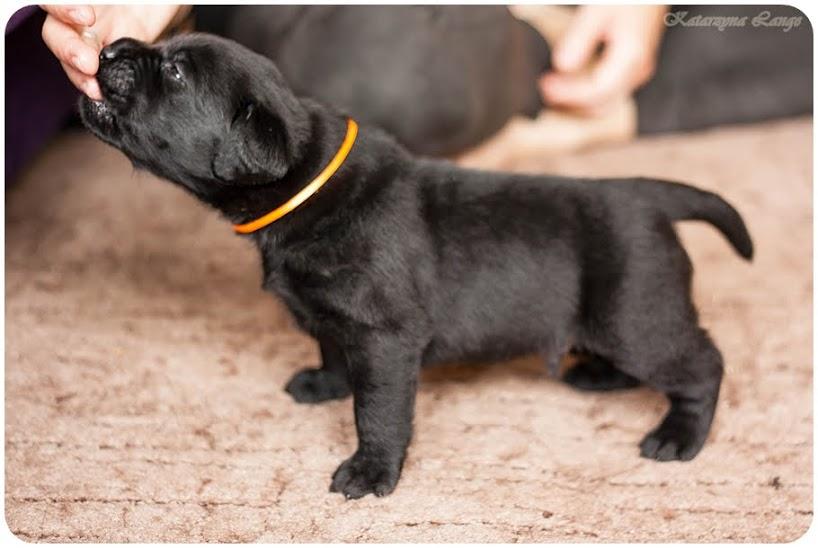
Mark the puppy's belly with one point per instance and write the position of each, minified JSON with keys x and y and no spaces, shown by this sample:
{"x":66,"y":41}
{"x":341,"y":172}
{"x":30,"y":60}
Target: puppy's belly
{"x":441,"y":351}
{"x":499,"y":309}
{"x":495,"y":333}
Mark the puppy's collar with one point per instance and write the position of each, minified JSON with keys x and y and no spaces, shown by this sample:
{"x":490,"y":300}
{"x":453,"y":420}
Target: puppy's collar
{"x":307,"y":191}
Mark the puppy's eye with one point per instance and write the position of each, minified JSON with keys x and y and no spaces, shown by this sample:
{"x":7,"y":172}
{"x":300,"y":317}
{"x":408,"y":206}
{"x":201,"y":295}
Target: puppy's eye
{"x":244,"y":110}
{"x":172,"y":71}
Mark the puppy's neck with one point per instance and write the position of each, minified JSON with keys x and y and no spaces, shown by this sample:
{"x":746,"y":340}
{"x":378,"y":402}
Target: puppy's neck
{"x":324,"y":135}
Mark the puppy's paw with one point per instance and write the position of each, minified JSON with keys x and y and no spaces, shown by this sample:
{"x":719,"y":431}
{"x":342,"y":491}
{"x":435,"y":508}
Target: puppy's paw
{"x":361,"y":475}
{"x":596,"y":374}
{"x":317,"y":385}
{"x":673,"y":440}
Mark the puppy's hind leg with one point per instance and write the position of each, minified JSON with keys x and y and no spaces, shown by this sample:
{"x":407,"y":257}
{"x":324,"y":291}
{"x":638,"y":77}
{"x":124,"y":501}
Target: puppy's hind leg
{"x":692,"y":386}
{"x":329,"y":382}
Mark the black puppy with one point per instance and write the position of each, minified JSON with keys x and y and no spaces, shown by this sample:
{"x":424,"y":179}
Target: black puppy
{"x":398,"y":262}
{"x":441,"y":79}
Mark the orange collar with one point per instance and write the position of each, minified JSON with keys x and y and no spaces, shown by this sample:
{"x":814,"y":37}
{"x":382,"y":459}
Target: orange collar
{"x":307,"y":191}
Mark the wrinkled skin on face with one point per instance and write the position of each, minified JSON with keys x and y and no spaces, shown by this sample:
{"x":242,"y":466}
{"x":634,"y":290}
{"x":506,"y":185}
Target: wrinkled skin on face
{"x":197,"y":111}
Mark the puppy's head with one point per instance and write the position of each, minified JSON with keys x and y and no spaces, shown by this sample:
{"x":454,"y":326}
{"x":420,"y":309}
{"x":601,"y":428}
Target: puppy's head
{"x":197,"y":110}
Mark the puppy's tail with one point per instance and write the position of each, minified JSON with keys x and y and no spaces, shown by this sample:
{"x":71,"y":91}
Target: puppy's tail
{"x":683,"y":202}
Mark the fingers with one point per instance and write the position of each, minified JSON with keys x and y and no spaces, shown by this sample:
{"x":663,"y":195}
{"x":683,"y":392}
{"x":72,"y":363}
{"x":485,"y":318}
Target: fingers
{"x":65,"y":43}
{"x":569,"y":86}
{"x":79,"y":60}
{"x":77,"y":15}
{"x":87,"y":84}
{"x":613,"y":77}
{"x":631,"y":37}
{"x":575,"y":49}
{"x":622,"y":68}
{"x":589,"y":91}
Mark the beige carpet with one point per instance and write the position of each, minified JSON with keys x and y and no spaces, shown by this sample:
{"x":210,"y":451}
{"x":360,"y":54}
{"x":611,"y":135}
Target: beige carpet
{"x":144,"y":374}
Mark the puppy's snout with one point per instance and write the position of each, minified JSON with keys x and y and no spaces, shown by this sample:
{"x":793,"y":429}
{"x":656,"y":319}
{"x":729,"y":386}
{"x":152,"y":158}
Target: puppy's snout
{"x":119,"y":68}
{"x":121,"y":49}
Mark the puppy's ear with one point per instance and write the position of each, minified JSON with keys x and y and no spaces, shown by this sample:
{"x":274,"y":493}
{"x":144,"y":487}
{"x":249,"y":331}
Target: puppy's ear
{"x":255,"y":149}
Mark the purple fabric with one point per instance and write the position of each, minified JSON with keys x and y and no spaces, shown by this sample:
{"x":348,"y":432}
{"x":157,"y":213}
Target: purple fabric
{"x":39,"y":96}
{"x":19,"y":16}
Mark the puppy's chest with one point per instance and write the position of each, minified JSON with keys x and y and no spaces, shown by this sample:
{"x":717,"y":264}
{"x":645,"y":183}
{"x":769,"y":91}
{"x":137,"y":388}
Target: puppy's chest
{"x":321,"y":294}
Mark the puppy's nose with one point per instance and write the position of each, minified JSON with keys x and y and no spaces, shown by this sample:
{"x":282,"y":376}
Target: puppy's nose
{"x":120,"y":66}
{"x":124,"y":48}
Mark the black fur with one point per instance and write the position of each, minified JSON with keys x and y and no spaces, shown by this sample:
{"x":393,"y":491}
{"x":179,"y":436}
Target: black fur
{"x":400,"y":262}
{"x":440,"y":79}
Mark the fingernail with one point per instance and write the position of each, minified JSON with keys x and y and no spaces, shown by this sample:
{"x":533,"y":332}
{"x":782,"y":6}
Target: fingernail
{"x":83,"y":16}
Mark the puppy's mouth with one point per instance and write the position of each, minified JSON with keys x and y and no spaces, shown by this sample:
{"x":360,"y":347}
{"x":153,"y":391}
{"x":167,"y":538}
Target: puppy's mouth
{"x":99,"y":117}
{"x":117,"y":82}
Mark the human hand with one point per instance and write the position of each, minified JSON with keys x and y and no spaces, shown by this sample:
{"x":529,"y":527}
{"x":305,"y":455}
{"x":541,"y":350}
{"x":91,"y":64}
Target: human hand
{"x":76,"y":34}
{"x":630,"y":35}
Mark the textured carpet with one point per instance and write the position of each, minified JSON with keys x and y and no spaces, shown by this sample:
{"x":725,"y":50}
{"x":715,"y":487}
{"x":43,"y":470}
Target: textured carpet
{"x":144,"y":374}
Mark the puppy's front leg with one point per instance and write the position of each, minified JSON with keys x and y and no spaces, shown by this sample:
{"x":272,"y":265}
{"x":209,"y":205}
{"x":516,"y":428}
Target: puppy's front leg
{"x":383,"y":374}
{"x":329,"y":382}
